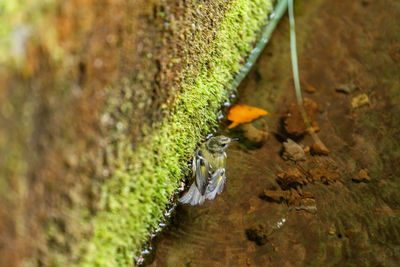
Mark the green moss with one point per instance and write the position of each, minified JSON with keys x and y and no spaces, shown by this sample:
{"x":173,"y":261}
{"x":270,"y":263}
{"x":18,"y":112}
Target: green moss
{"x":143,"y":180}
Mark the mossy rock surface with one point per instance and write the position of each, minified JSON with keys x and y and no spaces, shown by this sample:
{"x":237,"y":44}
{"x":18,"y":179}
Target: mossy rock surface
{"x":100,"y":109}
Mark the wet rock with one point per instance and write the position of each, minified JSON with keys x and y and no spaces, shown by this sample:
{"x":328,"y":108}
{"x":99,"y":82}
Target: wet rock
{"x":362,"y":176}
{"x":258,"y":234}
{"x":293,"y":151}
{"x":253,"y":134}
{"x":310,"y":209}
{"x":319,"y":148}
{"x":324,"y":175}
{"x":308,"y":201}
{"x":294,"y":198}
{"x":306,"y":204}
{"x":360,"y":100}
{"x":294,"y":123}
{"x":297,"y":198}
{"x":306,"y":194}
{"x":274,"y":195}
{"x":291,"y":179}
{"x":346,"y":88}
{"x":310,"y":89}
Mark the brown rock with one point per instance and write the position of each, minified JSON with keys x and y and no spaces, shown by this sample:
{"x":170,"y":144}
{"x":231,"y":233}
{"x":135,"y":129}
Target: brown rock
{"x":274,"y":196}
{"x":294,"y":198}
{"x":319,"y":148}
{"x":346,"y":88}
{"x":360,"y":100}
{"x":307,"y":201}
{"x":362,"y":176}
{"x":310,"y":209}
{"x":300,"y":191}
{"x":306,"y":204}
{"x":293,"y":151}
{"x":291,"y":179}
{"x":250,"y":135}
{"x":323,"y":175}
{"x":310,"y":89}
{"x":253,"y":134}
{"x":294,"y":123}
{"x":306,"y":194}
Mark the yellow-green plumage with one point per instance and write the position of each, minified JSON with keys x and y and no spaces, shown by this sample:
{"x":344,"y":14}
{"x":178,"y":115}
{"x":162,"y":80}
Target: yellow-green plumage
{"x":209,"y":162}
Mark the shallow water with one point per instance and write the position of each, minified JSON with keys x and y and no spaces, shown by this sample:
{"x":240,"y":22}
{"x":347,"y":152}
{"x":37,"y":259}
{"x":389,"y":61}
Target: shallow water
{"x":353,"y":223}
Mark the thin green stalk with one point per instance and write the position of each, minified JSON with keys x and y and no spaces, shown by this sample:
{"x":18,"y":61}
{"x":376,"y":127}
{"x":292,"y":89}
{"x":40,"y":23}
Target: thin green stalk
{"x":293,"y":51}
{"x":296,"y":79}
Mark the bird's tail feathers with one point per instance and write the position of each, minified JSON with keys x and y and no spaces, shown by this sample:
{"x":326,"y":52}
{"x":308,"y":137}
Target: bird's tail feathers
{"x":218,"y":189}
{"x":192,"y":196}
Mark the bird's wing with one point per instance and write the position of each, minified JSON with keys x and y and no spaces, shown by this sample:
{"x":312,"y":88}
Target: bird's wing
{"x":218,"y":175}
{"x":202,"y":171}
{"x":216,"y":186}
{"x":216,"y":178}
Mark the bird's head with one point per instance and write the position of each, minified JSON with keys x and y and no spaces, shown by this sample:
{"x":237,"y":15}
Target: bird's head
{"x":218,"y":144}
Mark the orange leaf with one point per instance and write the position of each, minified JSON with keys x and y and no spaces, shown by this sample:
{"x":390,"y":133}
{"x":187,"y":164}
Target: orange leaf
{"x":243,"y":113}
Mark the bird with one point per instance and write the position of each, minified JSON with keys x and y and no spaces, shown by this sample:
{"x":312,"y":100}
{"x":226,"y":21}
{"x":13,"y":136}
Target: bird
{"x":209,"y":162}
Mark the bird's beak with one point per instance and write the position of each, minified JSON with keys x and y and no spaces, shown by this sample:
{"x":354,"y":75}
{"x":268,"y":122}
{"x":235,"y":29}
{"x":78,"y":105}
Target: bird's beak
{"x":234,"y":139}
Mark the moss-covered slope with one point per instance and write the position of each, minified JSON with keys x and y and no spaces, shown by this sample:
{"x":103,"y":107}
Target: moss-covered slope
{"x":108,"y":104}
{"x":140,"y":190}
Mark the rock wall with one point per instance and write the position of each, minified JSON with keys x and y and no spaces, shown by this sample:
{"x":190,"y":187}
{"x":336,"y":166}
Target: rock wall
{"x":101,"y":105}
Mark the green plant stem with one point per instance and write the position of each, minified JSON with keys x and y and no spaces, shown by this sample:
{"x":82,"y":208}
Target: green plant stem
{"x":296,"y":79}
{"x":293,"y":51}
{"x":279,"y":11}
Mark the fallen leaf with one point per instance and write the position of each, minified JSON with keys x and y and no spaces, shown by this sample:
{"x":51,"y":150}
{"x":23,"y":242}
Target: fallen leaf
{"x":242,"y":114}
